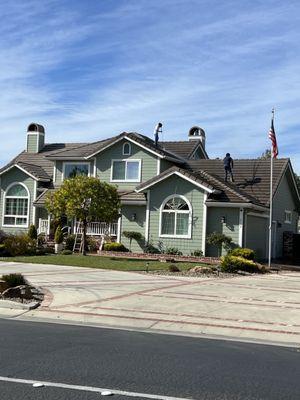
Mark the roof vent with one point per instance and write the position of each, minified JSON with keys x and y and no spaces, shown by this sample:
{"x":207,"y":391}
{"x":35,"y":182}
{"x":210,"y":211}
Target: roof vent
{"x":197,"y":133}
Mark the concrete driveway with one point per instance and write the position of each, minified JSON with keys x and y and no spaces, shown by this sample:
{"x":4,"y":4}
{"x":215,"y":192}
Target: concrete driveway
{"x":263,"y":307}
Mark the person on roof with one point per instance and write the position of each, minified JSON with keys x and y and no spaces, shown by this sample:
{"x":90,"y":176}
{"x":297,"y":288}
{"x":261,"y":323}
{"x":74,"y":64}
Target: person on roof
{"x":228,"y":166}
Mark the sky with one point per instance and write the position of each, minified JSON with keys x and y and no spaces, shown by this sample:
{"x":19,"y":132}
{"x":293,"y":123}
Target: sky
{"x":87,"y":70}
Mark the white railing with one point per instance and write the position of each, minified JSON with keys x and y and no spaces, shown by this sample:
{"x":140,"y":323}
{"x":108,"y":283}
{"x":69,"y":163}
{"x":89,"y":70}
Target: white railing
{"x":43,"y":226}
{"x":99,"y":228}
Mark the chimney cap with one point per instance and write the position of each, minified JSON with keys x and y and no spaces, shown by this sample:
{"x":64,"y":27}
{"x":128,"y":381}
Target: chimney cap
{"x":196,"y":131}
{"x":34,"y":127}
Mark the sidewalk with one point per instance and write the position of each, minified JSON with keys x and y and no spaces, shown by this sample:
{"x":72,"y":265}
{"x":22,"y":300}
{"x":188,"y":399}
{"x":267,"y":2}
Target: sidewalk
{"x":262,"y":307}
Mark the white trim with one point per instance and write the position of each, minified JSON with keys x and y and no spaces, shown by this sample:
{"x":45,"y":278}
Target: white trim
{"x":95,"y":168}
{"x":204,"y":224}
{"x":129,"y":152}
{"x":49,"y":221}
{"x":54,"y":172}
{"x":241,"y":227}
{"x":190,"y":212}
{"x":235,"y":205}
{"x":34,"y":208}
{"x":74,"y":163}
{"x":200,"y":144}
{"x":16,"y":216}
{"x":25,"y":172}
{"x":181,"y":176}
{"x":126,"y":160}
{"x":294,"y":180}
{"x":288,"y":212}
{"x":119,"y":229}
{"x":147,"y":217}
{"x":35,"y":133}
{"x":158,"y":166}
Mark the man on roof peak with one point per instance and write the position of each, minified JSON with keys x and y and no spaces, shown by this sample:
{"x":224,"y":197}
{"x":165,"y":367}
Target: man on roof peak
{"x":228,"y":166}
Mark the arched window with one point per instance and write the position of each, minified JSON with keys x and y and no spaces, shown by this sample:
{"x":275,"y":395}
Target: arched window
{"x":126,"y":149}
{"x":176,"y":217}
{"x":16,"y":206}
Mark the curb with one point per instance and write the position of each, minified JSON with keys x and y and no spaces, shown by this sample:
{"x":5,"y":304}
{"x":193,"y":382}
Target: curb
{"x":19,"y":306}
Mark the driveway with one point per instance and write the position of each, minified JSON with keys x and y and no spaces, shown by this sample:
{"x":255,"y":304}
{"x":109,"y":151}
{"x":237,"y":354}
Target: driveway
{"x":263,"y":307}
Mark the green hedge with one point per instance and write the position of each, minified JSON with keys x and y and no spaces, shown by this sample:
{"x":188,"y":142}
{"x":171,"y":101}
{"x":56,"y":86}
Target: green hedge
{"x":19,"y":245}
{"x":249,"y":254}
{"x":232,"y":263}
{"x":114,"y":246}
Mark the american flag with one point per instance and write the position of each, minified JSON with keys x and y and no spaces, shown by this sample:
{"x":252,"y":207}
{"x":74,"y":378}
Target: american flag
{"x":272,"y":137}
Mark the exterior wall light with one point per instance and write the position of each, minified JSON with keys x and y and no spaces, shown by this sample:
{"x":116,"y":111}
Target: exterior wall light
{"x":133,"y":217}
{"x":223,"y":220}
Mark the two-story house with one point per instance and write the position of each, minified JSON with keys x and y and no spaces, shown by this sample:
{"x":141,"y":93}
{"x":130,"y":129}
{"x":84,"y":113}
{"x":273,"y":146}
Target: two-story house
{"x":170,"y":191}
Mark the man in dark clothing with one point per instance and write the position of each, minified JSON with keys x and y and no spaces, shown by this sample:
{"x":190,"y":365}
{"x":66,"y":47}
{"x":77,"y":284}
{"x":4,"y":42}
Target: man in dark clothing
{"x":228,"y":166}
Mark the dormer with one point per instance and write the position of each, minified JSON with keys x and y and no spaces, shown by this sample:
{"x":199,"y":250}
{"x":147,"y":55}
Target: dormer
{"x":35,"y":138}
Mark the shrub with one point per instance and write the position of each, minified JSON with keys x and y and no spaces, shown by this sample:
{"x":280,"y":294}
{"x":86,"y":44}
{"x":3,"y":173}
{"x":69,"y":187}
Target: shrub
{"x":32,"y":232}
{"x":41,"y":239}
{"x":20,"y":245}
{"x":66,"y":252}
{"x":3,"y":236}
{"x":243,"y":252}
{"x":92,"y":244}
{"x":197,"y":253}
{"x":220,"y":241}
{"x":132,"y":235}
{"x":70,"y":240}
{"x":150,"y":249}
{"x":173,"y":268}
{"x":173,"y":251}
{"x":231,"y":263}
{"x":59,"y":236}
{"x":13,"y":280}
{"x":114,"y":246}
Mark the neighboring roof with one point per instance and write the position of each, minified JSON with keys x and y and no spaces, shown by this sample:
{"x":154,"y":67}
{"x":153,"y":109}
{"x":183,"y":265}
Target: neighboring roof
{"x":36,"y":163}
{"x":90,"y":150}
{"x":252,"y":177}
{"x":184,"y":149}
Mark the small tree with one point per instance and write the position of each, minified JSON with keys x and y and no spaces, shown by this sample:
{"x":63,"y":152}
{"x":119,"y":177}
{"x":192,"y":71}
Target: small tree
{"x":132,"y":235}
{"x":265,"y":155}
{"x":59,"y":236}
{"x":86,"y":199}
{"x":220,"y":241}
{"x":32,"y":232}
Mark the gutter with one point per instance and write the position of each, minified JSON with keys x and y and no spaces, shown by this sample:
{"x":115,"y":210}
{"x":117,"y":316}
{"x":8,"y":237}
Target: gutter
{"x":236,"y":205}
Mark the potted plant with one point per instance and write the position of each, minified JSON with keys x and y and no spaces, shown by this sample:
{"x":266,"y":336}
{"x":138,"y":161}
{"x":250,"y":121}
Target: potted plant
{"x":59,"y":238}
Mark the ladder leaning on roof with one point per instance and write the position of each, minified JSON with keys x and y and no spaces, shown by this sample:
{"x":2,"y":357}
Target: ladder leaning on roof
{"x":78,"y":242}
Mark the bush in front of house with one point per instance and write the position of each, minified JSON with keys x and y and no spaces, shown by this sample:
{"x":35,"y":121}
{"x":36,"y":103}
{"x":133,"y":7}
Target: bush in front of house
{"x":114,"y":246}
{"x":132,"y":235}
{"x":20,"y":245}
{"x":197,"y":253}
{"x":230,"y":263}
{"x":69,"y":242}
{"x":14,"y":280}
{"x":174,"y":251}
{"x":59,"y":236}
{"x":3,"y":236}
{"x":92,"y":245}
{"x":220,"y":241}
{"x":249,"y":254}
{"x":66,"y":252}
{"x":32,"y":232}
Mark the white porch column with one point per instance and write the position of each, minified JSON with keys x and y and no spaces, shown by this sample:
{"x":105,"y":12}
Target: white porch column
{"x":119,"y":229}
{"x":241,"y":226}
{"x":204,"y":224}
{"x":147,"y":224}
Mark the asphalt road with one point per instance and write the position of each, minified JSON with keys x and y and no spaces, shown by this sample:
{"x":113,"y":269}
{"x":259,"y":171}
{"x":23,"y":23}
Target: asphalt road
{"x":140,"y":362}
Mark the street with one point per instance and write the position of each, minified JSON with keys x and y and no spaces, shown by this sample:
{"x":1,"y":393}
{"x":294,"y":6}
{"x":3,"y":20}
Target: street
{"x":134,"y":362}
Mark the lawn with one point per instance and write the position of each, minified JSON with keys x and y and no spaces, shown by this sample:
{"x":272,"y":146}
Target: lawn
{"x":102,"y":262}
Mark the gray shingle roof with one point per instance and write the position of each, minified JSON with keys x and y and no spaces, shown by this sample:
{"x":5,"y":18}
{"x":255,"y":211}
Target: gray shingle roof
{"x":182,"y":148}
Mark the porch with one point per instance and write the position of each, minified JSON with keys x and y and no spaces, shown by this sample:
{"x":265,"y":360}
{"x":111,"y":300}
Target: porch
{"x":93,"y":229}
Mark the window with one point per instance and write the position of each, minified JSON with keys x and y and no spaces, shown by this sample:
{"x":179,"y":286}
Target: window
{"x":126,"y":149}
{"x":16,"y":206}
{"x":176,"y":217}
{"x":126,"y":171}
{"x":74,"y":169}
{"x":288,"y":217}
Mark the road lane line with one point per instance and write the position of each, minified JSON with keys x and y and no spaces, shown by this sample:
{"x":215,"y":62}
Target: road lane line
{"x":91,"y":389}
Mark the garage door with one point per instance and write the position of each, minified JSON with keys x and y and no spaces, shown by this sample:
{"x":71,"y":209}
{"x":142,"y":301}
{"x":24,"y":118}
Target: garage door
{"x":257,"y":235}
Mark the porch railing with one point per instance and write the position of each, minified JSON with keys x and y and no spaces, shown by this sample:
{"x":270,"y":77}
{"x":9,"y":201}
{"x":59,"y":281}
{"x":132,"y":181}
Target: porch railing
{"x":43,"y":226}
{"x":99,"y":228}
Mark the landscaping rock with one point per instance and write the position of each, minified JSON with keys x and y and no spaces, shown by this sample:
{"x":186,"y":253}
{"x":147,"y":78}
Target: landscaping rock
{"x":201,"y":270}
{"x":17,"y":292}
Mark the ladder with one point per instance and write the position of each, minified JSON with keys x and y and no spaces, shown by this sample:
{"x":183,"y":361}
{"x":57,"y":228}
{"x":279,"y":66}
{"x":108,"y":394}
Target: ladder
{"x":78,"y":242}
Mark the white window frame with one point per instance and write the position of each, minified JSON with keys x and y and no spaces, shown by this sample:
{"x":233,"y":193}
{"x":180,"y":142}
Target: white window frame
{"x":126,"y":160}
{"x":16,"y":197}
{"x":123,"y":149}
{"x":190,"y":212}
{"x":286,"y":220}
{"x":65,"y":163}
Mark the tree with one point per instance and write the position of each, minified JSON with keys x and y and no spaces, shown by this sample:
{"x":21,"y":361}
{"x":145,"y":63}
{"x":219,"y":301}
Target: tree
{"x":265,"y":155}
{"x":32,"y":232}
{"x":132,"y":235}
{"x":86,"y":199}
{"x":220,"y":241}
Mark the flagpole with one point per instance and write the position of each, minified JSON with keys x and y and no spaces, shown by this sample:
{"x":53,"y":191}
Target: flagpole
{"x":271,"y":202}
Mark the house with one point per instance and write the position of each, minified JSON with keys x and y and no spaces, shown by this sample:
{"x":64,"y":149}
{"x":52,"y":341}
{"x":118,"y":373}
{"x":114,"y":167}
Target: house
{"x":171,"y":192}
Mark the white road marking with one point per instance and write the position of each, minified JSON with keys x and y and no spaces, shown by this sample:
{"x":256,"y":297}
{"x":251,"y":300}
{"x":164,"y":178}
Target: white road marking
{"x":91,"y":389}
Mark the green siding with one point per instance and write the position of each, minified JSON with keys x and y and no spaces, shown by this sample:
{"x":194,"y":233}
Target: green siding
{"x":104,"y":161}
{"x":11,"y":176}
{"x":159,"y":192}
{"x":165,"y":164}
{"x":32,"y":143}
{"x":137,"y":226}
{"x":229,"y":228}
{"x":283,"y":200}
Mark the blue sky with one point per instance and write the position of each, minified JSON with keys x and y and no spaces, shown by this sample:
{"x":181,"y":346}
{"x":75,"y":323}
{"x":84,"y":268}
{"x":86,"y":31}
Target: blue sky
{"x":90,"y":69}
